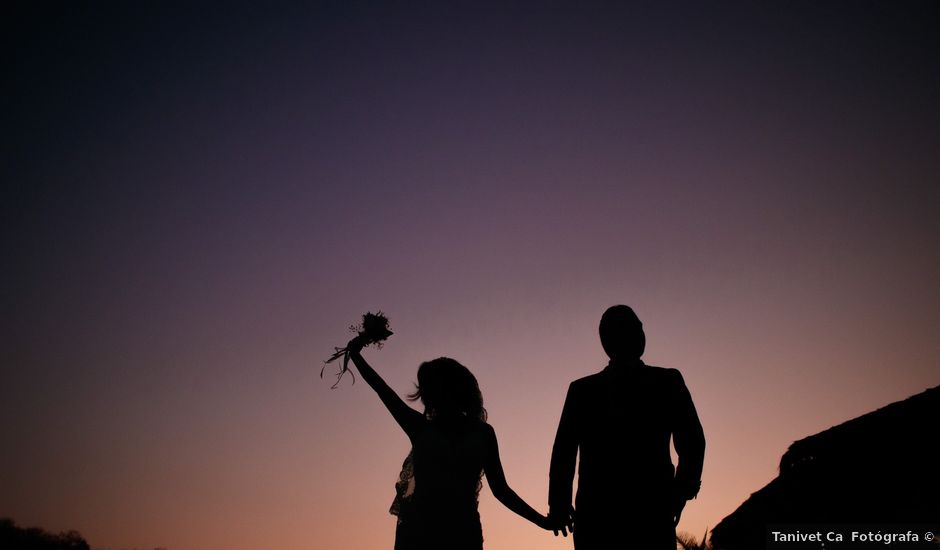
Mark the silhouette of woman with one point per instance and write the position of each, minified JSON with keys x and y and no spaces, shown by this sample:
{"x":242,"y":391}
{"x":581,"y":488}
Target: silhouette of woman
{"x":452,"y":447}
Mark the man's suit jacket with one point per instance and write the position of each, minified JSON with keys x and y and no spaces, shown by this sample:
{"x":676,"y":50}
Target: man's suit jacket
{"x":621,"y":420}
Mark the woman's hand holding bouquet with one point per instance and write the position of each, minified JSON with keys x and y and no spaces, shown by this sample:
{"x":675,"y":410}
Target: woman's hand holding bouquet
{"x":373,"y":330}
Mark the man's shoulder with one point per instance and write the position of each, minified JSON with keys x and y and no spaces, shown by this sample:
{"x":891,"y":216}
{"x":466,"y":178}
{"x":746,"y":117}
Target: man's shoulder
{"x":589,"y":380}
{"x":589,"y":384}
{"x":653,"y":374}
{"x":648,"y":372}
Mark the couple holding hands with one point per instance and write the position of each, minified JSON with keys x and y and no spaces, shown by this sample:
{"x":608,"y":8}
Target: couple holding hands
{"x":620,"y":420}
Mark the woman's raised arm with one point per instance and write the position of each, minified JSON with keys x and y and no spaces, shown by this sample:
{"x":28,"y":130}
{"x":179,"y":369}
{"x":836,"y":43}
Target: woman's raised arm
{"x":408,"y":418}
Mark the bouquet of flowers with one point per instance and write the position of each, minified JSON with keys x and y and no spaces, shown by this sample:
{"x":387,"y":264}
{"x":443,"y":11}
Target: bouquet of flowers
{"x":373,"y":330}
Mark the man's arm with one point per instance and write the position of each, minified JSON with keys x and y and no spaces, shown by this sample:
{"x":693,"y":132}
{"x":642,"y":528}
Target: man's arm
{"x":564,"y":457}
{"x":689,"y":440}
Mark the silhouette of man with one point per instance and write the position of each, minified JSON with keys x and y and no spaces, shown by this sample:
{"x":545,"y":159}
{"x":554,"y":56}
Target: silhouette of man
{"x":620,"y":420}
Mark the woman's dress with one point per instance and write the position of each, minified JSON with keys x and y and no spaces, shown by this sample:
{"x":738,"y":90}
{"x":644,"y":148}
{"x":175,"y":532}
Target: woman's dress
{"x":438,"y":489}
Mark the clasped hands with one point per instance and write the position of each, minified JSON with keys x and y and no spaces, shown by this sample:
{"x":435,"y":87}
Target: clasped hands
{"x":560,"y":522}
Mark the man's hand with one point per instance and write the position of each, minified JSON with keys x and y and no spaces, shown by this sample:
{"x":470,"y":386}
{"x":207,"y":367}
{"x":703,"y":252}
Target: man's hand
{"x":562,"y":522}
{"x":678,"y":504}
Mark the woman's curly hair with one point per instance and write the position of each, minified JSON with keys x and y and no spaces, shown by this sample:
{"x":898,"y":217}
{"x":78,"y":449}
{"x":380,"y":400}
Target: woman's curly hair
{"x":449,"y":388}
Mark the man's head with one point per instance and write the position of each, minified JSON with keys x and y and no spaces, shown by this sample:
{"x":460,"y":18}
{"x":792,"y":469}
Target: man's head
{"x":622,"y":334}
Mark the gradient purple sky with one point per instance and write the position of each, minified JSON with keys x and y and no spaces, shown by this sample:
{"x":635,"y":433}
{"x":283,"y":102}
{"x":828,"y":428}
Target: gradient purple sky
{"x":198,"y":201}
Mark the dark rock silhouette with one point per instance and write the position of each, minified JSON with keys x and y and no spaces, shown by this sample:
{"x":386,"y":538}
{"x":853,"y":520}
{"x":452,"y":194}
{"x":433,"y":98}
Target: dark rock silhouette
{"x":13,"y":537}
{"x":879,"y":468}
{"x":620,"y":422}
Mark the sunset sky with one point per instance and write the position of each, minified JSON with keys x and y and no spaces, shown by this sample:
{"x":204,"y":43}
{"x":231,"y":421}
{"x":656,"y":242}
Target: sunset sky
{"x":197,"y":201}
